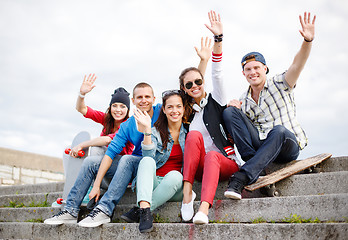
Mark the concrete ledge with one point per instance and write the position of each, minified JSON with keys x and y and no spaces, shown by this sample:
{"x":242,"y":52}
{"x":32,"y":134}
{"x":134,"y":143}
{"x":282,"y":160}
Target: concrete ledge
{"x":324,"y":207}
{"x":27,"y":199}
{"x":332,"y":207}
{"x":176,"y":231}
{"x":22,"y":159}
{"x":32,"y":188}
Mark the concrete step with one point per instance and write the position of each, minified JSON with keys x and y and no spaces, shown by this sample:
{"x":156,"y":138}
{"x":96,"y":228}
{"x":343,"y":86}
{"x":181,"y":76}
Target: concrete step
{"x":32,"y":188}
{"x":296,"y":185}
{"x":324,"y":207}
{"x":318,"y":231}
{"x":333,"y":164}
{"x":30,"y":198}
{"x":331,"y":207}
{"x":307,"y":184}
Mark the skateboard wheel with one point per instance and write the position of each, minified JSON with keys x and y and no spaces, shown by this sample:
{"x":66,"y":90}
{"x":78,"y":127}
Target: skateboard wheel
{"x":270,"y":191}
{"x":59,"y":200}
{"x":81,"y":153}
{"x":67,"y":150}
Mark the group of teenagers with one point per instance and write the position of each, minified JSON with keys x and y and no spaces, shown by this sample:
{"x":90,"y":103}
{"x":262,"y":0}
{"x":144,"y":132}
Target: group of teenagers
{"x":162,"y":149}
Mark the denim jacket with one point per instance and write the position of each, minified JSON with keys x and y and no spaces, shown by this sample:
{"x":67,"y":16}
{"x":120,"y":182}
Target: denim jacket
{"x":155,"y":151}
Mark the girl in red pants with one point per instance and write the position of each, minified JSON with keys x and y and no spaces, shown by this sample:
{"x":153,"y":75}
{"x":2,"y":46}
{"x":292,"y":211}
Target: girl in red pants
{"x":209,"y":155}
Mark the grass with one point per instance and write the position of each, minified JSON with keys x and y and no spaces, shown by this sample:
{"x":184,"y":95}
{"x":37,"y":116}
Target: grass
{"x":35,"y":220}
{"x":15,"y":204}
{"x":298,"y":219}
{"x":158,"y":219}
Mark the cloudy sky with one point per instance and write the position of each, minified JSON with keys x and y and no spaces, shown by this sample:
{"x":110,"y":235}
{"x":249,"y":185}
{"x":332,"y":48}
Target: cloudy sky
{"x":48,"y":46}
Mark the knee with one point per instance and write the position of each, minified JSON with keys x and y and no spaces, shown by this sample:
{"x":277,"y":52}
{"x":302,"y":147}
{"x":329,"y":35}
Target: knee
{"x":124,"y":161}
{"x":230,"y":113}
{"x":147,"y":162}
{"x":280,"y":130}
{"x":194,"y":135}
{"x":193,"y":138}
{"x":174,"y":178}
{"x":92,"y":160}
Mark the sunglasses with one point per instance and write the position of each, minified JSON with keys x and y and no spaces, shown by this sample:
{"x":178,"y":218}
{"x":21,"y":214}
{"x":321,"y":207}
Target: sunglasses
{"x":189,"y":85}
{"x":171,"y":92}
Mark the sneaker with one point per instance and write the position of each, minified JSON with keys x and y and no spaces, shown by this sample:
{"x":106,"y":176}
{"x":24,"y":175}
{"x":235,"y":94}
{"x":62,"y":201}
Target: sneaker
{"x":200,"y":218}
{"x":132,"y":216}
{"x":145,"y":220}
{"x":60,"y":218}
{"x":187,"y":209}
{"x":235,"y":186}
{"x":94,"y":219}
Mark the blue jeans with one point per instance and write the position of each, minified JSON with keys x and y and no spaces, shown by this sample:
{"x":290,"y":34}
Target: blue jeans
{"x":157,"y":190}
{"x":126,"y":171}
{"x":86,"y":176}
{"x":280,"y":145}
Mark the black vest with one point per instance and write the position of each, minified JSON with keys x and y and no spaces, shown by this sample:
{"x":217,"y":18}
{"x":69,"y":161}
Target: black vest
{"x":212,"y":118}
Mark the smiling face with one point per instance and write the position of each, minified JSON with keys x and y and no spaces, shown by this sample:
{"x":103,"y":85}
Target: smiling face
{"x":196,"y":91}
{"x":174,"y":109}
{"x":118,"y":111}
{"x":255,"y":74}
{"x":143,"y":98}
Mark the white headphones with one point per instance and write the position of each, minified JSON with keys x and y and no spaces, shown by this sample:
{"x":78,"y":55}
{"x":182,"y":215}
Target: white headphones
{"x":201,"y":105}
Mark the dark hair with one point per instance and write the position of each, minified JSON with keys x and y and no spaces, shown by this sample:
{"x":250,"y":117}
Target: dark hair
{"x":162,"y":122}
{"x":188,"y":99}
{"x":143,"y":85}
{"x":109,"y":122}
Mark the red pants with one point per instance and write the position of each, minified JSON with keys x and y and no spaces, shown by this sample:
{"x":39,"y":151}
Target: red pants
{"x":208,"y":168}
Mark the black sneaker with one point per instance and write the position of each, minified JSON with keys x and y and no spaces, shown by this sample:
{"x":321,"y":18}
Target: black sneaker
{"x":146,"y":220}
{"x":235,"y":186}
{"x":132,"y":216}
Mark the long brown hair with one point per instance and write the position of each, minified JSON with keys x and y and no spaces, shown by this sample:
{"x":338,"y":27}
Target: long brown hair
{"x":109,"y":122}
{"x":187,"y":98}
{"x":162,"y":122}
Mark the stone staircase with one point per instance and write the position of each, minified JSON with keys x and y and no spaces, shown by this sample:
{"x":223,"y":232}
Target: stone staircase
{"x":311,"y":206}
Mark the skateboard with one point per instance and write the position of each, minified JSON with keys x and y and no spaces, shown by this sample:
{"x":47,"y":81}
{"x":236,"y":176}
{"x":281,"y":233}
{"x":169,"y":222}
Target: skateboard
{"x":267,"y":183}
{"x":72,"y":166}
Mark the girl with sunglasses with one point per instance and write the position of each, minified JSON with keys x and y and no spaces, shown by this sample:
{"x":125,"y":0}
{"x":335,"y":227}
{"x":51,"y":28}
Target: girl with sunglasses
{"x":159,"y":177}
{"x":209,"y":155}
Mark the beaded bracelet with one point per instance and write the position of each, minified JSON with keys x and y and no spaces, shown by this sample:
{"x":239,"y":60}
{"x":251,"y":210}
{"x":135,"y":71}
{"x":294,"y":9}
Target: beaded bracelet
{"x":218,"y":38}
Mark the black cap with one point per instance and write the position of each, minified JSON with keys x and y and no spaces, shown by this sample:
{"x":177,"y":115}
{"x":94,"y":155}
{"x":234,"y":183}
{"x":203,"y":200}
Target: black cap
{"x":122,"y":96}
{"x":254,"y":56}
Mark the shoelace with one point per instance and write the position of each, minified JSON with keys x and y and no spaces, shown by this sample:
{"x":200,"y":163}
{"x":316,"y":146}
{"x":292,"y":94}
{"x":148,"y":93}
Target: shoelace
{"x":61,"y":213}
{"x":146,"y":217}
{"x":94,"y":213}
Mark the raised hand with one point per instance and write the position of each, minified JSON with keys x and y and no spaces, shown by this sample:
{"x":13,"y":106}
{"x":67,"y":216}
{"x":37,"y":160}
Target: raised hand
{"x":216,"y":26}
{"x":308,"y":27}
{"x":88,"y":84}
{"x":205,"y":52}
{"x":143,"y":121}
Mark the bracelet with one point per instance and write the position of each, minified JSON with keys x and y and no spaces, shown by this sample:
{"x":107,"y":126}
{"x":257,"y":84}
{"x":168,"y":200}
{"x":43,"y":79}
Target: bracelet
{"x":308,"y":40}
{"x":147,"y":134}
{"x":81,"y":96}
{"x":218,"y":38}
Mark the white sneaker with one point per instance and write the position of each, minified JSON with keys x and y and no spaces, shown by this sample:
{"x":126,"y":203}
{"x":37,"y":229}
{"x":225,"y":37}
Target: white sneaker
{"x":187,"y":209}
{"x":94,"y":219}
{"x":233,"y":195}
{"x":200,"y":218}
{"x":60,"y":218}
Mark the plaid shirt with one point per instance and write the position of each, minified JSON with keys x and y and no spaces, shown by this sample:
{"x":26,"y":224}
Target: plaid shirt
{"x":276,"y":106}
